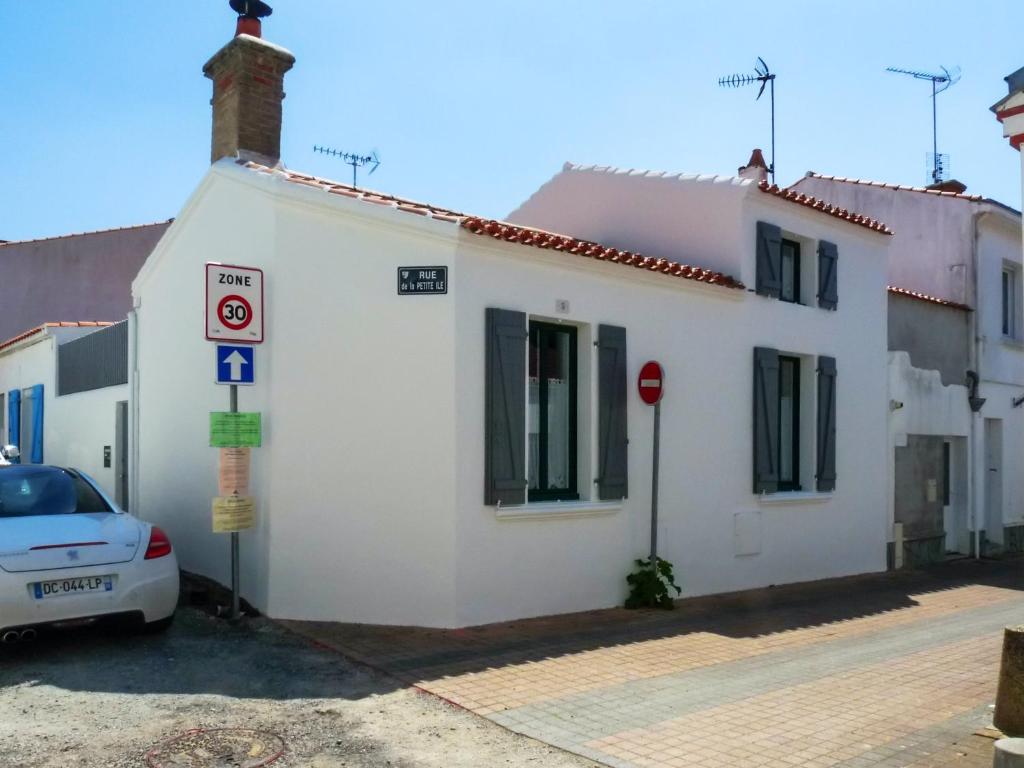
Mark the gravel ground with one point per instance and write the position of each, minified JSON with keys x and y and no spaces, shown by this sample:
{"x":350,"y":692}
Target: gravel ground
{"x":94,"y":697}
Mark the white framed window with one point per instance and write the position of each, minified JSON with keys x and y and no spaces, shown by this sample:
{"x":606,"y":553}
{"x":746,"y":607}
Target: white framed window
{"x":556,"y":407}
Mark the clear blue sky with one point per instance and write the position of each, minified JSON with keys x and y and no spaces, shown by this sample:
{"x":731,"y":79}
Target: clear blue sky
{"x":106,"y":120}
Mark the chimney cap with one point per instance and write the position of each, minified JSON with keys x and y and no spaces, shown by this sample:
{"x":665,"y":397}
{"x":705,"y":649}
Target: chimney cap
{"x":251,"y":9}
{"x":756,"y":160}
{"x":949,"y":185}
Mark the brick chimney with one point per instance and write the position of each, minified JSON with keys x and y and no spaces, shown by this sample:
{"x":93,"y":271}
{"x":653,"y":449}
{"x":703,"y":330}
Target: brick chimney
{"x":248,"y":88}
{"x":756,"y":168}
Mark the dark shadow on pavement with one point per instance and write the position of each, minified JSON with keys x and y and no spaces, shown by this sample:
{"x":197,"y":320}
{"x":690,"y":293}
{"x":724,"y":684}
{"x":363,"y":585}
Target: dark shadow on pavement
{"x":200,"y":654}
{"x":414,"y":654}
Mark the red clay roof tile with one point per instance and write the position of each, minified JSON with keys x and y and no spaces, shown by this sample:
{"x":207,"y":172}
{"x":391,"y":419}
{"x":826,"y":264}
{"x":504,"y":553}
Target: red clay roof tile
{"x":63,"y":324}
{"x":82,"y":234}
{"x":511,"y":233}
{"x":925,"y":297}
{"x":899,"y":187}
{"x":820,"y":205}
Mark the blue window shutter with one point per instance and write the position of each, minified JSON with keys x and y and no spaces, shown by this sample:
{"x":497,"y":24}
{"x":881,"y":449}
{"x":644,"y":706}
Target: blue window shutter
{"x":826,"y":469}
{"x":14,"y":417}
{"x":505,"y":403}
{"x":37,"y":424}
{"x":769,"y":260}
{"x":828,"y":274}
{"x":766,"y":420}
{"x":612,"y":388}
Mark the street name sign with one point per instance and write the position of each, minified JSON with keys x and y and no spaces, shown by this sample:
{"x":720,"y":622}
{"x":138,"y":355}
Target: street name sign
{"x":235,"y":430}
{"x":413,"y":281}
{"x":235,"y":364}
{"x":234,"y":303}
{"x":233,"y":513}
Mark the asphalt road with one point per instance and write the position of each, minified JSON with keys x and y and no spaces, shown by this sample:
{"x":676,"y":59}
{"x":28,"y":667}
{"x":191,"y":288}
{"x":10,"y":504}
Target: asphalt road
{"x":94,"y":697}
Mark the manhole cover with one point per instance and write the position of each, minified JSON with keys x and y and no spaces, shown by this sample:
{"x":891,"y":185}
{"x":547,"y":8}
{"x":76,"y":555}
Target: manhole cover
{"x":217,"y":748}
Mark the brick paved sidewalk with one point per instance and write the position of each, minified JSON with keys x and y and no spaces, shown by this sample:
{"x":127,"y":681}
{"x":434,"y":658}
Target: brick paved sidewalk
{"x":883,"y":670}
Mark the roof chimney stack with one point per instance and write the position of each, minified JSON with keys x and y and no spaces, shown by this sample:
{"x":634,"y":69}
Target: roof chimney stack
{"x":755,"y":169}
{"x":248,"y":88}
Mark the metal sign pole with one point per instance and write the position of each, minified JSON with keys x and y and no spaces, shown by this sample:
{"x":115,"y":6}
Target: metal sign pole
{"x":235,"y":589}
{"x":654,"y":484}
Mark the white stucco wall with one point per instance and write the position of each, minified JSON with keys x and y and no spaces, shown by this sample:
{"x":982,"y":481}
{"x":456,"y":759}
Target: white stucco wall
{"x":999,"y":246}
{"x":682,"y":217}
{"x":354,"y":482}
{"x":75,"y":427}
{"x":928,"y":406}
{"x":512,"y":563}
{"x":931,"y":250}
{"x":956,"y":248}
{"x":370,"y":480}
{"x":920,"y":404}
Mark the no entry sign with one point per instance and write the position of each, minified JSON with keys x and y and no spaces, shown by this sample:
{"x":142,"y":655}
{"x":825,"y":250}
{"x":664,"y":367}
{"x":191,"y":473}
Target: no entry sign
{"x":651,"y":382}
{"x":234,"y":303}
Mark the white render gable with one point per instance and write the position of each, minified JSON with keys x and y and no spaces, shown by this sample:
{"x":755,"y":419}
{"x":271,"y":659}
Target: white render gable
{"x":370,"y":483}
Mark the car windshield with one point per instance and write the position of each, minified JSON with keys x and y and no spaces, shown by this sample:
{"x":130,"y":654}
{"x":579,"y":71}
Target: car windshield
{"x":27,"y":490}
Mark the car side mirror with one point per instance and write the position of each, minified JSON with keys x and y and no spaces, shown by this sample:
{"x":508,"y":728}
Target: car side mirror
{"x":10,"y":452}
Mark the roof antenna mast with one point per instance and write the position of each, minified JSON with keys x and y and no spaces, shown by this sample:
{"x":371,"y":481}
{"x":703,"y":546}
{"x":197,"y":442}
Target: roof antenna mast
{"x":940,"y":81}
{"x":765,"y":77}
{"x":351,"y":158}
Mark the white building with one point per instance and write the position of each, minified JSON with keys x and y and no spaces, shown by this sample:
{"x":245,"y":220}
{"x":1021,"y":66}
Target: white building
{"x":64,"y":399}
{"x":956,"y":341}
{"x":482,"y":455}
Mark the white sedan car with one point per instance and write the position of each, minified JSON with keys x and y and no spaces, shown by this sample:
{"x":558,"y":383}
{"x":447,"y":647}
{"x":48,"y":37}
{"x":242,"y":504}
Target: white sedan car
{"x":69,"y":555}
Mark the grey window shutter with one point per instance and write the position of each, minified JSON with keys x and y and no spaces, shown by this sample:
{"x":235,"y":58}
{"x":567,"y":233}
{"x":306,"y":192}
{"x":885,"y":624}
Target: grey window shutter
{"x":769,"y":259}
{"x":826,"y":470}
{"x":828,"y":275}
{"x":612,"y":481}
{"x":766,"y":420}
{"x":505,"y":396}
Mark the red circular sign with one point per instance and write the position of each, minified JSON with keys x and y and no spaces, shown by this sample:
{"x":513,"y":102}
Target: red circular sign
{"x":650,"y":382}
{"x":234,"y":312}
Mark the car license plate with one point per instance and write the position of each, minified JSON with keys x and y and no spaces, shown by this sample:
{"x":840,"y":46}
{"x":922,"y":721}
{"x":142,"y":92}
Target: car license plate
{"x":60,"y":587}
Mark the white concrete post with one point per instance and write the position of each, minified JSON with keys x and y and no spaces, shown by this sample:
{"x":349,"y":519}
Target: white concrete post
{"x":1009,"y":754}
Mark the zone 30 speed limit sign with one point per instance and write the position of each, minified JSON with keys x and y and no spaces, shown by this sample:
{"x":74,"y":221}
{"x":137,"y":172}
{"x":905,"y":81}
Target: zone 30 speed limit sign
{"x":234,"y":303}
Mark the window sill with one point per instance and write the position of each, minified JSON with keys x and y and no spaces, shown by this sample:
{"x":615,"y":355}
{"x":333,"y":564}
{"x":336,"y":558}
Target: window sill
{"x":557,"y":509}
{"x":1011,"y":341}
{"x":794,"y":497}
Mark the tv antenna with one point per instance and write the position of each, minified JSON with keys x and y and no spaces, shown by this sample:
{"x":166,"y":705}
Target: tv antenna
{"x":765,"y":77}
{"x":940,"y":82}
{"x":351,"y":158}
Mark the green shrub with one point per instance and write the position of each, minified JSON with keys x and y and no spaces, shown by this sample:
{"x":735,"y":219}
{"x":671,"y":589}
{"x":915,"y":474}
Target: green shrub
{"x":649,"y":585}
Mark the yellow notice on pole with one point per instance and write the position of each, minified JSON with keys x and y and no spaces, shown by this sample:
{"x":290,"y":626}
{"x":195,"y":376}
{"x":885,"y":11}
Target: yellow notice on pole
{"x":233,"y":513}
{"x":233,"y":479}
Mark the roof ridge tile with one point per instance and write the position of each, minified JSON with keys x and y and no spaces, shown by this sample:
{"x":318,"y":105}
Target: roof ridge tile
{"x":926,"y":297}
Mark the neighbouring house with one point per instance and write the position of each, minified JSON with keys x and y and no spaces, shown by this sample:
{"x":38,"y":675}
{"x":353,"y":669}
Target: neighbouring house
{"x":956,"y":365}
{"x":86,"y":275}
{"x":482,"y":454}
{"x":64,"y":399}
{"x":1009,"y":111}
{"x":82,"y":275}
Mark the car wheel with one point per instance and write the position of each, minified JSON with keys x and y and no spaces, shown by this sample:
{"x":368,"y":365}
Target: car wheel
{"x":156,"y":627}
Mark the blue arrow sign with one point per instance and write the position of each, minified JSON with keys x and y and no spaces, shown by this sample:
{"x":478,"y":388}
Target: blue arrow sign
{"x":235,"y":364}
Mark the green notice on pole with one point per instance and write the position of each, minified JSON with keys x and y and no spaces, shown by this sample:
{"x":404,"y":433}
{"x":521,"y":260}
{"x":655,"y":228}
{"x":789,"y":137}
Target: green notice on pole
{"x":235,"y":430}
